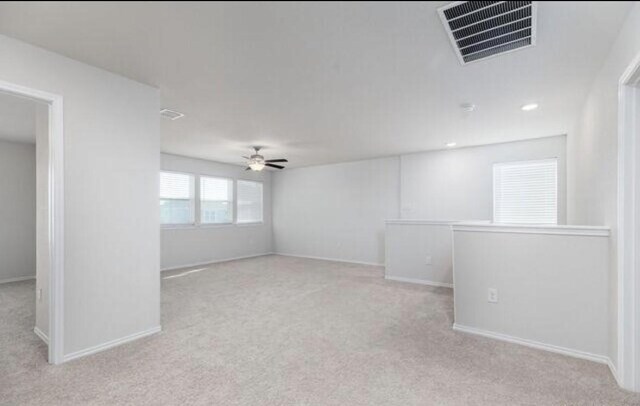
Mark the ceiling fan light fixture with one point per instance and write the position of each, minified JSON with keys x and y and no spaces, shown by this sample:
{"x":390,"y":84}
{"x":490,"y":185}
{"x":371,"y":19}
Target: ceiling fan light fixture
{"x":256,"y":166}
{"x":256,"y":162}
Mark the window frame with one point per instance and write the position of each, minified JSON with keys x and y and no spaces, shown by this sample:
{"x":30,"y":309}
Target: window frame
{"x":249,"y":223}
{"x":197,"y":200}
{"x":555,"y":160}
{"x":199,"y":221}
{"x":194,"y":185}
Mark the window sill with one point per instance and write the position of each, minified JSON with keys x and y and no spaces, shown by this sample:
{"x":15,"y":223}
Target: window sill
{"x":256,"y":223}
{"x":213,"y":225}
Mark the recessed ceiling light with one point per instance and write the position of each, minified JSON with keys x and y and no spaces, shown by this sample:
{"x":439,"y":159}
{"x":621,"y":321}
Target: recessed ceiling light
{"x":468,"y":107}
{"x":450,"y":144}
{"x":529,"y":107}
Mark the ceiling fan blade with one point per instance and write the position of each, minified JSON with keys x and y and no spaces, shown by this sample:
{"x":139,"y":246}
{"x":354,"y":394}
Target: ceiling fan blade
{"x":245,"y":157}
{"x":274,"y":166}
{"x":248,"y":169}
{"x":276,"y":160}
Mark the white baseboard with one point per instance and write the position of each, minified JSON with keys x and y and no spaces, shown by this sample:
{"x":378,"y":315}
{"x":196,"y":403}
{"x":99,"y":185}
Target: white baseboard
{"x":111,"y":344}
{"x":601,"y":359}
{"x":419,"y":281}
{"x":41,"y":334}
{"x":614,"y":372}
{"x":215,"y":261}
{"x":329,"y":259}
{"x":18,"y":279}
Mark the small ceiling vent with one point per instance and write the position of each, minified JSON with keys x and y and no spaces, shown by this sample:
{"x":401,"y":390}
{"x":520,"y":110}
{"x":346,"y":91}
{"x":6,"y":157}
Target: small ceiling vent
{"x":482,"y":29}
{"x":171,"y":114}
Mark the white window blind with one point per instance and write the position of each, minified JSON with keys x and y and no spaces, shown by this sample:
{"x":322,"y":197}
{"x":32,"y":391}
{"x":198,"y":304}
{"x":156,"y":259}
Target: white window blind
{"x":176,"y":198}
{"x":249,"y":202}
{"x":526,"y":192}
{"x":216,"y":200}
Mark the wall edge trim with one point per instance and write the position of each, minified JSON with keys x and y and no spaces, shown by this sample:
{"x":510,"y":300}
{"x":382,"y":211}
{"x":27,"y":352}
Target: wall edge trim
{"x":601,"y":359}
{"x":419,"y":281}
{"x":111,"y":344}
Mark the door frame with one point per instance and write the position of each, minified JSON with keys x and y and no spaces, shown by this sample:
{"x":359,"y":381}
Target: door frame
{"x":55,"y":210}
{"x":628,"y":232}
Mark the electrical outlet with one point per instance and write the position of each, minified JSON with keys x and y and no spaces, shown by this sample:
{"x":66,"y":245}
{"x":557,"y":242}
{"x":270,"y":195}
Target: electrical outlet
{"x":428,"y":260}
{"x":493,"y":295}
{"x":39,"y":295}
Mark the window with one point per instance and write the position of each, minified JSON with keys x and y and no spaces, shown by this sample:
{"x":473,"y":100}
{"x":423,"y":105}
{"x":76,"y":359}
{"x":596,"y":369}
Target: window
{"x":526,"y":192}
{"x":216,"y":200}
{"x":176,"y":198}
{"x":249,"y":202}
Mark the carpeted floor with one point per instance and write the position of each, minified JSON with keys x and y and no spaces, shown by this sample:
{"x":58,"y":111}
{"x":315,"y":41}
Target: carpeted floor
{"x":286,"y":331}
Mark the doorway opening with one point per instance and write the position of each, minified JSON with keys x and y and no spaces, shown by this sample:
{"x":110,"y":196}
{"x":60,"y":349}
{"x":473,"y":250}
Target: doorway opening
{"x":628,"y":233}
{"x":37,"y":151}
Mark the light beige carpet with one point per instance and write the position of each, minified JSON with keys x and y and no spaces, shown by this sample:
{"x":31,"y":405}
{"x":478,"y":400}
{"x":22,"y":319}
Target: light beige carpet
{"x":286,"y":331}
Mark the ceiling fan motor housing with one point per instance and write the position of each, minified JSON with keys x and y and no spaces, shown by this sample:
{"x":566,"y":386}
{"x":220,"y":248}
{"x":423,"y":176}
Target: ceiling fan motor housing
{"x":257,"y":162}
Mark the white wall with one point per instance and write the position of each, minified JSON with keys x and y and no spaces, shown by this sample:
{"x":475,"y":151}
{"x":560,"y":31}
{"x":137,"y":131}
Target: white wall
{"x":552,"y":289}
{"x":419,"y":251}
{"x":183,"y":247}
{"x":17,"y":210}
{"x":592,"y":153}
{"x":457,"y":184}
{"x":111,"y":165}
{"x":336,"y":211}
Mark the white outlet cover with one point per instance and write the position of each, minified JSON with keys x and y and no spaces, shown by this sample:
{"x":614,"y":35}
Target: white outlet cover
{"x":493,"y":295}
{"x":428,"y":260}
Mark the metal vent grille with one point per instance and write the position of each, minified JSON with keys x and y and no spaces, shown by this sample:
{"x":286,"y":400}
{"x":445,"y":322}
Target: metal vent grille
{"x":481,"y":29}
{"x":171,"y":114}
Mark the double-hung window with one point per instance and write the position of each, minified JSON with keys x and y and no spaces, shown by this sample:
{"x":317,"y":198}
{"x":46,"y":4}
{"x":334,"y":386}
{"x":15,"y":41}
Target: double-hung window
{"x":216,"y":200}
{"x":176,"y":198}
{"x":526,"y":192}
{"x":249,"y":202}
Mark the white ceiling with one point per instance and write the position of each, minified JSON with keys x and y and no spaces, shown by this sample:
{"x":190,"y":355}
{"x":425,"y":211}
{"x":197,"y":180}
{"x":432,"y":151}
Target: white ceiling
{"x":17,"y":119}
{"x":327,"y":82}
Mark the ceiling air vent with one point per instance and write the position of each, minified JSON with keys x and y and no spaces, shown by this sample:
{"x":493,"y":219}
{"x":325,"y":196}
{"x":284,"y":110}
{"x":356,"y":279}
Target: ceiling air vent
{"x":171,"y":114}
{"x":481,"y":29}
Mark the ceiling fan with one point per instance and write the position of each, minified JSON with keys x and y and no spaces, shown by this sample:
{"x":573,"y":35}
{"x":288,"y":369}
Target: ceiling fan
{"x":257,"y":162}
